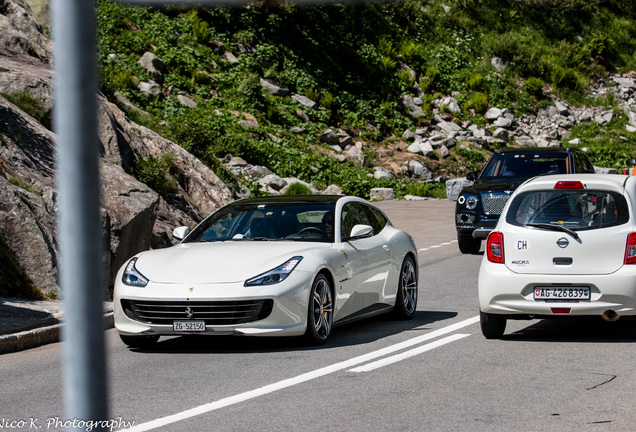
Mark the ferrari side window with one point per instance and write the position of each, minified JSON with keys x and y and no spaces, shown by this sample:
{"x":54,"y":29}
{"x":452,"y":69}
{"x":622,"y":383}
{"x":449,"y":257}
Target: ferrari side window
{"x":376,"y":219}
{"x":353,"y":214}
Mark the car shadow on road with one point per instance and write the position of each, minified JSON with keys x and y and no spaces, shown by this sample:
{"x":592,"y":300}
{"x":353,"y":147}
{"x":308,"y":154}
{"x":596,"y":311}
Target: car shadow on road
{"x":357,"y":333}
{"x":582,"y":329}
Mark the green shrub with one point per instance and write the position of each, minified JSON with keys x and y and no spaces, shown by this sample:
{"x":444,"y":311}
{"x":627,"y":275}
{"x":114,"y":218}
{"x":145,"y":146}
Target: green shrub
{"x":405,"y":76}
{"x":479,"y":102}
{"x":475,"y":82}
{"x":473,"y":156}
{"x":412,"y":52}
{"x":534,"y":86}
{"x":30,"y":105}
{"x":473,"y":160}
{"x":16,"y":181}
{"x":388,"y":64}
{"x":200,"y":28}
{"x":327,"y":100}
{"x":420,"y":189}
{"x":565,"y":78}
{"x":430,"y":79}
{"x":297,"y":189}
{"x":386,"y":48}
{"x":157,"y":173}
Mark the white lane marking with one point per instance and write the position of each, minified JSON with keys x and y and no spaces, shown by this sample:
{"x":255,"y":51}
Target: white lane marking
{"x":270,"y":388}
{"x":437,"y":245}
{"x":407,"y":354}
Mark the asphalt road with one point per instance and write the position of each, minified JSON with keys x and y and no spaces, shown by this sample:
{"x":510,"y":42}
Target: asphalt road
{"x":434,"y":373}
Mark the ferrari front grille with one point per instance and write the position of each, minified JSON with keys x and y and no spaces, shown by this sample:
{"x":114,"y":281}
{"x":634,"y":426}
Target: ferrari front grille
{"x":212,"y":312}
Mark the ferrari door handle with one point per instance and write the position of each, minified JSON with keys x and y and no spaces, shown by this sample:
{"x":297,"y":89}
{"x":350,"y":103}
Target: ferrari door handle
{"x":386,"y":248}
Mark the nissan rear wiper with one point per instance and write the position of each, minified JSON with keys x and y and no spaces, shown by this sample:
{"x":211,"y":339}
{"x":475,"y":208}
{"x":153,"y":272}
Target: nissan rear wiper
{"x":554,"y":228}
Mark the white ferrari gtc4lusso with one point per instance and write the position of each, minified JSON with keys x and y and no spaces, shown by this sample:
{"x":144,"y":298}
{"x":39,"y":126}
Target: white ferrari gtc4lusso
{"x":270,"y":266}
{"x":564,"y":246}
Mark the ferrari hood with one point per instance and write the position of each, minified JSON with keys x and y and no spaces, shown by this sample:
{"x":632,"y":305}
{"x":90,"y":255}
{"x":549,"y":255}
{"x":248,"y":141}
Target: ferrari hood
{"x":218,"y":262}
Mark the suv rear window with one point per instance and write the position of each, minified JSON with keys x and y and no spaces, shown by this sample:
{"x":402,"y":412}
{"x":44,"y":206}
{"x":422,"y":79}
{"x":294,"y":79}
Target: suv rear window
{"x":525,"y":165}
{"x":574,"y":209}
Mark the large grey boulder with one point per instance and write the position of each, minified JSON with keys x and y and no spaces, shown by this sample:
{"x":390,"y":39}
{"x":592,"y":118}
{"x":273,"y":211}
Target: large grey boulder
{"x":447,"y":128}
{"x":274,"y":89}
{"x":27,"y":225}
{"x":154,"y":66}
{"x":454,"y":187}
{"x":21,"y":35}
{"x":126,"y":141}
{"x":305,"y":101}
{"x":130,"y":209}
{"x":381,"y":194}
{"x":413,"y":110}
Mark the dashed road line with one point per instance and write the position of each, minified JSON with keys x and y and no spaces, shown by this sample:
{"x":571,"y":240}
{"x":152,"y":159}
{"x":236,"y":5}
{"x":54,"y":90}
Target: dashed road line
{"x":437,"y":246}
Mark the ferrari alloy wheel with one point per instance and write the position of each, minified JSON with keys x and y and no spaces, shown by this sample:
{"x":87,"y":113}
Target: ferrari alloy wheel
{"x":320,"y":313}
{"x":406,"y":301}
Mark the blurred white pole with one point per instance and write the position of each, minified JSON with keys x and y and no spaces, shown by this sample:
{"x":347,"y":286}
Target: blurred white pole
{"x":79,"y":226}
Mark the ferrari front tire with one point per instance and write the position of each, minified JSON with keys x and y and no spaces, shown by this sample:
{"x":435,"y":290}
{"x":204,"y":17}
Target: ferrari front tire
{"x":406,"y":301}
{"x":320,"y":311}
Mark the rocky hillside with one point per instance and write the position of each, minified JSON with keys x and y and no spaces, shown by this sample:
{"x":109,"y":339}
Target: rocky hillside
{"x":134,"y":216}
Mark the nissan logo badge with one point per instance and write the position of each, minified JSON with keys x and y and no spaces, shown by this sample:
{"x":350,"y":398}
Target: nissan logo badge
{"x":563,"y":242}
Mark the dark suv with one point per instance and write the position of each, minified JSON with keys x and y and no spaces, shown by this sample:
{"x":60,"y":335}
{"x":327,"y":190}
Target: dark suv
{"x":478,"y":206}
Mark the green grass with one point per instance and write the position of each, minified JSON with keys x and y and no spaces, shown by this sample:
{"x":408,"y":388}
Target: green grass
{"x":30,"y":105}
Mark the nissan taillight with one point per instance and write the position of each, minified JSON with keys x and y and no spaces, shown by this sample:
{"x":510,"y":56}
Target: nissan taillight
{"x":495,"y":249}
{"x":630,"y":249}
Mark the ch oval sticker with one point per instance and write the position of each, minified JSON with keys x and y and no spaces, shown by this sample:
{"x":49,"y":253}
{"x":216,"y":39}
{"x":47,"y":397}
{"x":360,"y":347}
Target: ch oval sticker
{"x":523,"y":245}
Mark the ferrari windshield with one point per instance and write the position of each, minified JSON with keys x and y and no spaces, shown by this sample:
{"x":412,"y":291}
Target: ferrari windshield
{"x":525,"y":165}
{"x":295,"y":221}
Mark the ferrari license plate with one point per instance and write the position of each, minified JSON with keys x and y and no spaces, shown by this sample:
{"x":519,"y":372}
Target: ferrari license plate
{"x":188,"y":326}
{"x":562,"y":293}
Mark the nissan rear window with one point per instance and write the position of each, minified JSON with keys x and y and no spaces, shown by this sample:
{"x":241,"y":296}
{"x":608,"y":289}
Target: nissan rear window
{"x":573,"y":209}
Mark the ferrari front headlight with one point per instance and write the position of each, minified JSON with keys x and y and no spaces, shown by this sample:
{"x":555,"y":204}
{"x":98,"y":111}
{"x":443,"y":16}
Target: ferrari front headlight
{"x":275,"y":275}
{"x":132,"y":276}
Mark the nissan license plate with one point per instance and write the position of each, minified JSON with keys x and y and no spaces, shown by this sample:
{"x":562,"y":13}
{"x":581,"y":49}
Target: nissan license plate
{"x":188,"y":326}
{"x":562,"y":293}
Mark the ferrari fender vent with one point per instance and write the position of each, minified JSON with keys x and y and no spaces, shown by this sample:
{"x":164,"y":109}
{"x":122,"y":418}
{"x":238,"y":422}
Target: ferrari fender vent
{"x":212,"y":312}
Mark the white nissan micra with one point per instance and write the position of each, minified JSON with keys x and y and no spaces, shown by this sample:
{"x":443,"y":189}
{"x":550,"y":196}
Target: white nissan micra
{"x":565,"y":245}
